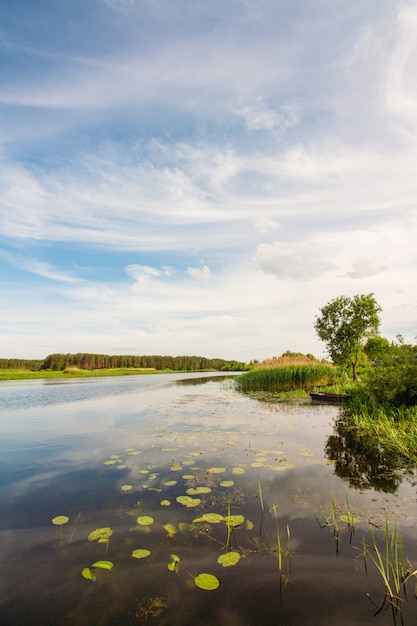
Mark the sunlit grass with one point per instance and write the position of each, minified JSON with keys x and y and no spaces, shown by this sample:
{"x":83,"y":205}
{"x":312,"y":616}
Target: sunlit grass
{"x":286,"y":378}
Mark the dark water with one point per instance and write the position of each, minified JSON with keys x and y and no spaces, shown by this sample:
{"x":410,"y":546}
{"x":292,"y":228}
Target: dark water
{"x":101,"y":451}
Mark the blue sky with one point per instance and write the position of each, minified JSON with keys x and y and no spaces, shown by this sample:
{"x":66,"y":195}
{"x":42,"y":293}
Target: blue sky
{"x":194,"y":177}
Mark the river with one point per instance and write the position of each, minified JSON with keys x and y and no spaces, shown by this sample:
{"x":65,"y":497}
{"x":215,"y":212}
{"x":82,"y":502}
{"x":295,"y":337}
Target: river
{"x":174,"y":500}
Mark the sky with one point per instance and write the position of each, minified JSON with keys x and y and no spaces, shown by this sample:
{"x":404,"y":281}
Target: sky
{"x":193,"y":177}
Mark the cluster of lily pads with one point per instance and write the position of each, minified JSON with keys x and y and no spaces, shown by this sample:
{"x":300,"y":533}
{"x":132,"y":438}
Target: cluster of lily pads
{"x":204,"y":580}
{"x":192,"y":498}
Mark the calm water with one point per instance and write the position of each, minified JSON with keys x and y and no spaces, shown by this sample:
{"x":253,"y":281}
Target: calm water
{"x":109,"y":452}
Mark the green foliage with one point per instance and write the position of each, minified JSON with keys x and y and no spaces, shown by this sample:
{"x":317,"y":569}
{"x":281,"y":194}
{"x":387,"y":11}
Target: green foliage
{"x":344,"y":324}
{"x":286,"y":378}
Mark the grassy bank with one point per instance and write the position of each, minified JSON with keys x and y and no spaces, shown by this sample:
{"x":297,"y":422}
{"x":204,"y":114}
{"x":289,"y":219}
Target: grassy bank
{"x":394,"y":432}
{"x":73,"y":372}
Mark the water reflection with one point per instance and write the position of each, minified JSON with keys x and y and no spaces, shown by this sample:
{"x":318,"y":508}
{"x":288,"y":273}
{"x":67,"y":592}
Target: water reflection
{"x":361,"y":460}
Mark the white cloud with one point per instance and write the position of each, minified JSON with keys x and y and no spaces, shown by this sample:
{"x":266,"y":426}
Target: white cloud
{"x":143,"y":274}
{"x":200,"y":273}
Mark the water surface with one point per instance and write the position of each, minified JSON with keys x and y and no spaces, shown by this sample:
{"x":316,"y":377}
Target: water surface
{"x":105,"y":452}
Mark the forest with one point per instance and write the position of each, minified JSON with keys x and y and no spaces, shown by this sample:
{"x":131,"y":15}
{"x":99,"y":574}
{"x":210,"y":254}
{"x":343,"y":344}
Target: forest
{"x":90,"y":361}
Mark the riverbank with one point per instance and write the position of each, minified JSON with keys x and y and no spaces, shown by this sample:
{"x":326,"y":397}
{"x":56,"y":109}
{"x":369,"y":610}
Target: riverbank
{"x":75,"y":372}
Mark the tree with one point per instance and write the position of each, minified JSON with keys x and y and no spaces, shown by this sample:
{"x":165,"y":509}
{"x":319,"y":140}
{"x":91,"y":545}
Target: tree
{"x":345,"y":324}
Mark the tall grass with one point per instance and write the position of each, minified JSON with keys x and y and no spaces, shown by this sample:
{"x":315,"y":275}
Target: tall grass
{"x":394,"y":568}
{"x":396,"y":432}
{"x":287,"y":378}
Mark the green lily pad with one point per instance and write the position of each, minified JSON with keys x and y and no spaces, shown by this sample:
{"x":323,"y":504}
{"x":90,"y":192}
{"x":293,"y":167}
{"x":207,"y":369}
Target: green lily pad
{"x":194,"y":491}
{"x":229,"y":559}
{"x":173,"y":566}
{"x":234,"y":520}
{"x":165,"y":503}
{"x":187,"y":501}
{"x":120,"y":467}
{"x":103,"y":565}
{"x":216,"y":470}
{"x":60,"y":520}
{"x":88,"y":574}
{"x":100,"y":534}
{"x":170,"y":529}
{"x":212,"y":518}
{"x":238,"y":470}
{"x":126,"y":488}
{"x":207,"y":582}
{"x":227,"y":483}
{"x":145,"y":520}
{"x":140,"y":553}
{"x":170,"y":483}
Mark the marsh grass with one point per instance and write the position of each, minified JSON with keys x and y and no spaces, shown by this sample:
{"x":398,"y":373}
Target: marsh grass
{"x":286,"y":378}
{"x":396,"y":432}
{"x":392,"y":565}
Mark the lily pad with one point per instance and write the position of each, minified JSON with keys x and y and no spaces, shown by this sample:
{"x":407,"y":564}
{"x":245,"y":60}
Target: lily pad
{"x":103,"y":565}
{"x":187,"y":501}
{"x":227,"y":483}
{"x":100,"y":534}
{"x":170,"y":483}
{"x":229,"y":559}
{"x":238,"y":470}
{"x":173,"y":566}
{"x":165,"y":503}
{"x":145,"y":520}
{"x":207,"y":582}
{"x":126,"y":488}
{"x":234,"y":520}
{"x":60,"y":520}
{"x":212,"y":518}
{"x":216,"y":470}
{"x":88,"y":574}
{"x":194,"y":491}
{"x":170,"y":529}
{"x":140,"y":553}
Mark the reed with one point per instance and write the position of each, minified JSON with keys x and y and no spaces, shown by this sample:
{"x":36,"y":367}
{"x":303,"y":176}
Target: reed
{"x":286,"y":378}
{"x":280,"y":551}
{"x":392,"y":565}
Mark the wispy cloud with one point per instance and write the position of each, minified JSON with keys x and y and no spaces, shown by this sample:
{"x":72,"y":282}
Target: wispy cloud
{"x":170,"y":173}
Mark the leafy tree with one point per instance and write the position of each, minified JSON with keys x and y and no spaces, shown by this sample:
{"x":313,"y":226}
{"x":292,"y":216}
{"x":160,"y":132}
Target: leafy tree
{"x":344,"y":325}
{"x":377,"y":348}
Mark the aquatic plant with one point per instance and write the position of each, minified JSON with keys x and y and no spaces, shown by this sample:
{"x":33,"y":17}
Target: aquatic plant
{"x":392,"y":565}
{"x":282,"y":577}
{"x":286,"y":378}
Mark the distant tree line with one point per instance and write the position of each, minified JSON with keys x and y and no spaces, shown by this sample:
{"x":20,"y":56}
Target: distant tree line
{"x":89,"y":361}
{"x":21,"y":364}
